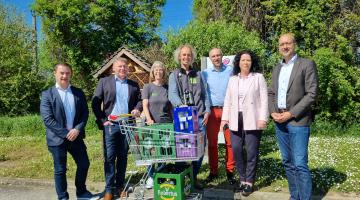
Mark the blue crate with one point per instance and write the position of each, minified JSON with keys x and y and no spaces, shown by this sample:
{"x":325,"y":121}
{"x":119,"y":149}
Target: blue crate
{"x":186,"y":119}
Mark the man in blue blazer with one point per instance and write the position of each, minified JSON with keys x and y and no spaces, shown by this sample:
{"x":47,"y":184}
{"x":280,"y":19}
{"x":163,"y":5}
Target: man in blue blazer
{"x":64,"y":111}
{"x":115,"y":95}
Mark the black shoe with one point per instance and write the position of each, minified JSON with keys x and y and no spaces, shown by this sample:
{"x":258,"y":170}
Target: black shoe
{"x":210,"y":178}
{"x":240,"y":187}
{"x":230,"y":178}
{"x":247,"y":190}
{"x":198,"y":185}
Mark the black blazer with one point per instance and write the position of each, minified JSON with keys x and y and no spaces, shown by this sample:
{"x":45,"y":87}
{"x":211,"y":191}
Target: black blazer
{"x":53,"y":114}
{"x":103,"y":101}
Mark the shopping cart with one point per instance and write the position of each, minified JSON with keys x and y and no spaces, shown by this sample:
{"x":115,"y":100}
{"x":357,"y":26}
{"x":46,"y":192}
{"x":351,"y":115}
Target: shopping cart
{"x":158,"y":143}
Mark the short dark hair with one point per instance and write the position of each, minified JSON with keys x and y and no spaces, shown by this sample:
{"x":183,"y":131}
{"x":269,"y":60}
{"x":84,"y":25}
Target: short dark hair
{"x":255,"y":67}
{"x":62,"y":64}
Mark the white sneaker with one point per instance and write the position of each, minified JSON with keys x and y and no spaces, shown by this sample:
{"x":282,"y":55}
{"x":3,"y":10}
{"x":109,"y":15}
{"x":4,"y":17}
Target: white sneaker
{"x":149,"y":183}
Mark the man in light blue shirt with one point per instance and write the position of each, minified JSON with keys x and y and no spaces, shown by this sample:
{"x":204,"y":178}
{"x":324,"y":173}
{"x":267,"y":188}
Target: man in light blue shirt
{"x":292,"y":93}
{"x":217,"y":78}
{"x":115,"y":95}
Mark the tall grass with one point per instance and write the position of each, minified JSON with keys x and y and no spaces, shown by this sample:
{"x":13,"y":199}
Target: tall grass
{"x":32,"y":125}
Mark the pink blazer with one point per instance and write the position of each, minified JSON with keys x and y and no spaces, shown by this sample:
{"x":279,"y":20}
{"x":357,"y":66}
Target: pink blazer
{"x":255,"y":102}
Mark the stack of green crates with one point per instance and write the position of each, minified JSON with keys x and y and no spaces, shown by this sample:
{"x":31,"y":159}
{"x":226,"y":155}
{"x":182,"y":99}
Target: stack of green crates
{"x":173,"y":182}
{"x":165,"y":140}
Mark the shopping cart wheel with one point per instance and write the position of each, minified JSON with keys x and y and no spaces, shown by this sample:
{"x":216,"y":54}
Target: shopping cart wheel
{"x":194,"y":196}
{"x":130,"y":189}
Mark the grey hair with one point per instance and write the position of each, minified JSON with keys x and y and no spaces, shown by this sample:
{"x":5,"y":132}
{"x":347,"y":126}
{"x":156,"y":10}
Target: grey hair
{"x":215,"y":48}
{"x":177,"y":53}
{"x":155,"y":65}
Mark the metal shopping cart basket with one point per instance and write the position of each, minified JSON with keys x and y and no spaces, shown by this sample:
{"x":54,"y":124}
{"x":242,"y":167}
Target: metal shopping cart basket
{"x":159,"y":143}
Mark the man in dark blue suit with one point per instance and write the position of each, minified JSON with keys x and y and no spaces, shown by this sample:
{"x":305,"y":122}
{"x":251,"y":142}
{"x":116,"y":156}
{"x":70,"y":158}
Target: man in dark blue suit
{"x":115,"y":95}
{"x":64,"y":111}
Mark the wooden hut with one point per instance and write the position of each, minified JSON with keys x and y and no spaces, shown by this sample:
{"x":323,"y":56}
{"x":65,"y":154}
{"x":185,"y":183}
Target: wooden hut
{"x":139,"y":68}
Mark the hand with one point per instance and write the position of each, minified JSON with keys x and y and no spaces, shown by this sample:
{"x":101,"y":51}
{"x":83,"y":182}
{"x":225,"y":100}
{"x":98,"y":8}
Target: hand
{"x":261,"y":124}
{"x":285,"y":117}
{"x":108,"y":123}
{"x":149,"y":121}
{"x":276,"y":116}
{"x":206,"y":118}
{"x":136,"y":112}
{"x":223,"y":123}
{"x":72,"y":134}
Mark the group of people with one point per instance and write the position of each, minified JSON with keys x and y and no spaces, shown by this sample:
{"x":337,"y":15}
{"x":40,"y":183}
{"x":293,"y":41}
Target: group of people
{"x":234,"y":99}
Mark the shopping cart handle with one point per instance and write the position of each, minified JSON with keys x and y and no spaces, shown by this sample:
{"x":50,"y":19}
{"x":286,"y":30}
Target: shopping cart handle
{"x":118,"y":117}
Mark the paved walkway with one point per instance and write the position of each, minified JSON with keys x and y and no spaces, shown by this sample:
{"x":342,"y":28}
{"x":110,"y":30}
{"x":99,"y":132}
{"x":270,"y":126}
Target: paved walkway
{"x":30,"y":189}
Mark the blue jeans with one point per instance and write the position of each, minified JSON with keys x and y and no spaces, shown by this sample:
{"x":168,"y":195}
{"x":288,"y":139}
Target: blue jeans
{"x":77,"y":149}
{"x":115,"y":158}
{"x":197,"y":163}
{"x":293,"y":143}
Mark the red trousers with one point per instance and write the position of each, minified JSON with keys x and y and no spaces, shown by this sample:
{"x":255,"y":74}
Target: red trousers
{"x":212,"y":130}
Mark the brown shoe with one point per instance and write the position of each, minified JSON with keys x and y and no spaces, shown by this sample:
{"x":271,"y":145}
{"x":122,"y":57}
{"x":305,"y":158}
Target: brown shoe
{"x":108,"y":196}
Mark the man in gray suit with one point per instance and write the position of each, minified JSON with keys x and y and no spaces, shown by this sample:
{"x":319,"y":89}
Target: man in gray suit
{"x":64,"y":111}
{"x":292,"y":93}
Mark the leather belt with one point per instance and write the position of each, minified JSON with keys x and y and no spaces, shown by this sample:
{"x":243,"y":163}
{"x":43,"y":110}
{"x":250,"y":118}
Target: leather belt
{"x":216,"y":107}
{"x":283,"y":110}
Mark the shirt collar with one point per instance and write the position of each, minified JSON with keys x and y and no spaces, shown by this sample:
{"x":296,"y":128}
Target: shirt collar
{"x":60,"y":88}
{"x":292,"y":60}
{"x":222,"y":68}
{"x":118,"y":79}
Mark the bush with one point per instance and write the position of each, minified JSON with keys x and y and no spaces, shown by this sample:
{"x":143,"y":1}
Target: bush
{"x":339,"y":89}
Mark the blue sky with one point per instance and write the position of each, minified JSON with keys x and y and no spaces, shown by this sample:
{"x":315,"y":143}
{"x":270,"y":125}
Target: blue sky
{"x":176,"y":13}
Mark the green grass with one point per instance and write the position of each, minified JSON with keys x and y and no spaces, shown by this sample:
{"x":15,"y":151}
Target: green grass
{"x":333,"y":156}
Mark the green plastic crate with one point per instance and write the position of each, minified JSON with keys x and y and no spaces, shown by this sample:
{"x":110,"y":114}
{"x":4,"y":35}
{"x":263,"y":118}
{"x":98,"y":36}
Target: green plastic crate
{"x":173,"y":184}
{"x":165,"y":137}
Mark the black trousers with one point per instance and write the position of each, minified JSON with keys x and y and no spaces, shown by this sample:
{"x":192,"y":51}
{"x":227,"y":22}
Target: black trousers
{"x":245,"y":145}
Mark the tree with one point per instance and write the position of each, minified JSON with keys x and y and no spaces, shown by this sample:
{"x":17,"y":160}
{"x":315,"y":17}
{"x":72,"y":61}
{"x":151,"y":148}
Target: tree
{"x":316,"y":23}
{"x":19,"y":84}
{"x":83,"y":32}
{"x":326,"y":30}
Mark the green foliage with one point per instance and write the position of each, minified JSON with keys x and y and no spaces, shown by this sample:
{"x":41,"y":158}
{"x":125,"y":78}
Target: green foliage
{"x":83,"y":33}
{"x":19,"y":83}
{"x":339,"y":88}
{"x":230,"y":37}
{"x":326,"y":30}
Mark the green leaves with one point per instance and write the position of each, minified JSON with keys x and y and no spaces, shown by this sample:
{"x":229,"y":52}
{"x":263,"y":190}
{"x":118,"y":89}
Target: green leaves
{"x":83,"y":32}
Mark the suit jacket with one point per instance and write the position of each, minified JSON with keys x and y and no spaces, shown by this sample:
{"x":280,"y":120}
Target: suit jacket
{"x":104,"y":99}
{"x":53,"y":114}
{"x":301,"y":93}
{"x":255,"y":102}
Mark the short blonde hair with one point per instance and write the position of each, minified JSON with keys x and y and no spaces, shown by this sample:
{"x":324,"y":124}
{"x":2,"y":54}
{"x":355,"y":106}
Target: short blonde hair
{"x":121,"y":59}
{"x":157,"y":64}
{"x":177,"y":53}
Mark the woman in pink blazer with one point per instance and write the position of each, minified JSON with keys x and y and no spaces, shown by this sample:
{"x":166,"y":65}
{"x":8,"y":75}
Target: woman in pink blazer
{"x":246,"y":112}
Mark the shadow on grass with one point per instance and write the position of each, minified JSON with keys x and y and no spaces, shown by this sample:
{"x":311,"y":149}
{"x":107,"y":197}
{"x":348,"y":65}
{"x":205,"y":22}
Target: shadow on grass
{"x":268,"y":171}
{"x":324,"y":179}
